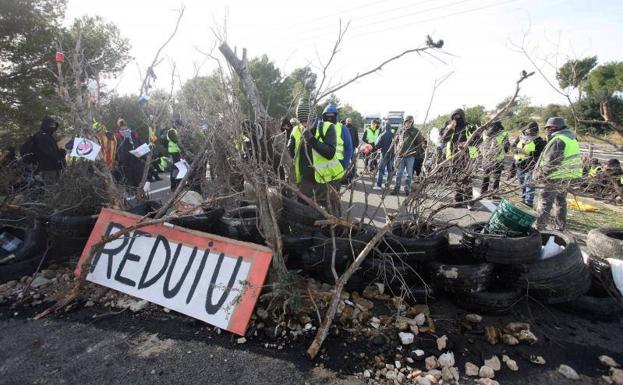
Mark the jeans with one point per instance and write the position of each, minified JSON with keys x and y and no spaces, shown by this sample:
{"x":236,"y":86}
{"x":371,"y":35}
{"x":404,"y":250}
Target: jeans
{"x":527,"y":191}
{"x":406,"y":164}
{"x":386,"y":165}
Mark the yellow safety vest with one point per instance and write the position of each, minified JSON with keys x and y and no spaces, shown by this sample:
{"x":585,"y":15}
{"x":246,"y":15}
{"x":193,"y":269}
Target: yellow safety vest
{"x":297,"y":135}
{"x":339,"y":142}
{"x":326,"y":170}
{"x":471,"y":150}
{"x":571,"y":165}
{"x":372,"y":135}
{"x":528,"y":148}
{"x":499,"y":140}
{"x":593,"y":171}
{"x":172,"y":147}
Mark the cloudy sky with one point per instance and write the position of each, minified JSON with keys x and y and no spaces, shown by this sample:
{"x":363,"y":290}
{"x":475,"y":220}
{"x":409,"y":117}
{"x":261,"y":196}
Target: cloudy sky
{"x":481,"y":39}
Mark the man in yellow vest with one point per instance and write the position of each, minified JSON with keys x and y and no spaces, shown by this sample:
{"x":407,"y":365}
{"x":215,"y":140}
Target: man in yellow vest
{"x":175,"y":153}
{"x":527,"y":150}
{"x":559,"y":166}
{"x":454,"y":137}
{"x":494,"y":148}
{"x":370,"y":135}
{"x":314,"y":148}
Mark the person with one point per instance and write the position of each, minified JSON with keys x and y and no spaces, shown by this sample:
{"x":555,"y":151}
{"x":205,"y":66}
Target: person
{"x":287,"y":125}
{"x":174,"y":151}
{"x":611,"y":179}
{"x":384,"y":144}
{"x":370,"y":136}
{"x":314,"y":148}
{"x":527,"y":150}
{"x":344,"y":148}
{"x":454,"y":137}
{"x":108,"y":141}
{"x":410,"y":145}
{"x":559,"y":165}
{"x":48,"y":157}
{"x":354,"y":138}
{"x":129,"y":167}
{"x":494,"y":147}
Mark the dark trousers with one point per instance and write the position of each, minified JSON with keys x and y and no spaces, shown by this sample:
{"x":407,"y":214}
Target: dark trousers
{"x":493,"y":171}
{"x":173,"y":176}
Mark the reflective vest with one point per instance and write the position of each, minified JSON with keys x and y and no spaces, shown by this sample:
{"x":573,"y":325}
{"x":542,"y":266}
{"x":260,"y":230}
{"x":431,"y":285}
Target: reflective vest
{"x":339,"y":144}
{"x":297,"y":135}
{"x":471,"y":150}
{"x":593,"y":171}
{"x":172,"y":147}
{"x":372,"y":135}
{"x":571,"y":164}
{"x":162,"y":164}
{"x":499,"y":144}
{"x":326,"y":170}
{"x":525,"y":150}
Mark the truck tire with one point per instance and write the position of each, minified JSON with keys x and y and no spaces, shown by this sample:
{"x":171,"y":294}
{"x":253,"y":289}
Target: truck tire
{"x":605,"y":242}
{"x":500,"y":249}
{"x":458,"y":272}
{"x":414,"y":250}
{"x":241,"y":224}
{"x":491,"y":301}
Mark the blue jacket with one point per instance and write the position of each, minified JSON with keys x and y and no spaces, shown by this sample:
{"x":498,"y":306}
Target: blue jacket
{"x":348,"y":147}
{"x":384,"y":141}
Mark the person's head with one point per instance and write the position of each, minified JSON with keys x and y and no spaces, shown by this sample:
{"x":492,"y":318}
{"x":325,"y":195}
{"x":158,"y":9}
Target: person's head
{"x":285,"y":124}
{"x":349,"y":122}
{"x":409,"y":121}
{"x":613,"y":164}
{"x":530,"y":129}
{"x":294,"y":122}
{"x":374,"y":124}
{"x":304,"y":111}
{"x":594,"y":162}
{"x":458,"y":116}
{"x":49,"y":124}
{"x":555,"y":124}
{"x":330,"y":113}
{"x":496,"y":127}
{"x":121,"y":123}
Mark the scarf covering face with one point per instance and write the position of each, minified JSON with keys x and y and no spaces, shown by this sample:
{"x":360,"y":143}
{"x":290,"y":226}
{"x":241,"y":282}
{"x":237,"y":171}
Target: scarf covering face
{"x":125,"y":132}
{"x":528,"y":138}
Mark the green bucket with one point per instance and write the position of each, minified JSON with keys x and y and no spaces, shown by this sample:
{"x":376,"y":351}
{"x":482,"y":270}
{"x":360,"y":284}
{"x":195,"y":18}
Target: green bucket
{"x":511,"y":219}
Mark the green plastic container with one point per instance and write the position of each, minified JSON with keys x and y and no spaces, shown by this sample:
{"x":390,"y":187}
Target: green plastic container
{"x":511,"y":219}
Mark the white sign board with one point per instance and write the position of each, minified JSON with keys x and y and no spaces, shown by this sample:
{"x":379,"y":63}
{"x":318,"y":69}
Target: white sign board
{"x":214,"y":279}
{"x":85,"y":148}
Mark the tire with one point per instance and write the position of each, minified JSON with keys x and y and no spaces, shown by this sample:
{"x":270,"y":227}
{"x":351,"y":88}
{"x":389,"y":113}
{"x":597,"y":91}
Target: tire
{"x":207,"y":222}
{"x":605,"y":242}
{"x":601,"y":273}
{"x":295,"y":213}
{"x":500,"y":249}
{"x":392,"y":271}
{"x":33,"y":239}
{"x":458,"y":272}
{"x":68,"y":234}
{"x":17,"y":270}
{"x":294,"y":245}
{"x":241,"y":224}
{"x":414,"y":250}
{"x":558,"y":279}
{"x":145,"y":208}
{"x":347,"y":246}
{"x":492,"y":301}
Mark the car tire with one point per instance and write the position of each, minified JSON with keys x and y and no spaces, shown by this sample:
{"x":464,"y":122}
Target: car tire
{"x":605,"y":242}
{"x":491,"y":301}
{"x":242,"y":224}
{"x":207,"y":222}
{"x":500,"y":249}
{"x":458,"y":272}
{"x":414,"y":250}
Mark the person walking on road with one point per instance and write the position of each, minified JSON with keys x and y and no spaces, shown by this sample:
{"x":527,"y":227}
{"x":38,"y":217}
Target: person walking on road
{"x":527,"y":150}
{"x":384,"y":144}
{"x":410,"y":145}
{"x":354,"y":138}
{"x":560,"y":165}
{"x":175,"y":153}
{"x":370,"y":136}
{"x":455,"y":136}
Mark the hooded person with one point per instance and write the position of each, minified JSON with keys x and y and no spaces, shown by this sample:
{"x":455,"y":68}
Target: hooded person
{"x":49,"y":158}
{"x":454,"y":137}
{"x":129,"y":167}
{"x":494,"y":147}
{"x":558,"y":167}
{"x":313,"y":148}
{"x":526,"y":151}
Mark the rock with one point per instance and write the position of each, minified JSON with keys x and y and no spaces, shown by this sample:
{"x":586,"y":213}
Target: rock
{"x":397,"y":364}
{"x":433,"y":375}
{"x":39,"y":281}
{"x":49,"y":274}
{"x":473,"y":318}
{"x":568,"y":372}
{"x":362,"y":303}
{"x":431,"y":363}
{"x":511,"y":364}
{"x":487,"y":381}
{"x":494,"y":363}
{"x":389,"y":367}
{"x":471,"y":370}
{"x":381,"y":287}
{"x":486,"y":372}
{"x":509,"y":339}
{"x":526,"y":336}
{"x":414,"y":329}
{"x":370,"y":292}
{"x":442,"y":342}
{"x":422,"y":381}
{"x":391,"y":375}
{"x":447,"y":375}
{"x":11,"y":284}
{"x":492,"y":334}
{"x":607,"y":380}
{"x":419,"y":353}
{"x":516,"y":327}
{"x":367,"y":374}
{"x":406,"y":338}
{"x":241,"y":340}
{"x":608,"y":361}
{"x":446,"y":360}
{"x":537,"y":360}
{"x":401,"y":324}
{"x":420,"y":319}
{"x":616,"y":375}
{"x":379,"y":340}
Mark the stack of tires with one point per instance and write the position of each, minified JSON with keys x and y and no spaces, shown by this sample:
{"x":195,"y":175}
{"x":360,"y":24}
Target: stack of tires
{"x":490,"y":273}
{"x":603,"y":300}
{"x":23,"y":246}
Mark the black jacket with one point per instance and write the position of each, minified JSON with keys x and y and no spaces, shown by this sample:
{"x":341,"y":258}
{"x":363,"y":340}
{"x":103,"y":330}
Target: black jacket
{"x":354,"y":135}
{"x":530,"y":162}
{"x":47,"y":153}
{"x":326,"y":149}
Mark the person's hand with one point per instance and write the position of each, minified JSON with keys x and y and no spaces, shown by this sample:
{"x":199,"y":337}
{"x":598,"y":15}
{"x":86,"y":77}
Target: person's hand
{"x":307,"y":135}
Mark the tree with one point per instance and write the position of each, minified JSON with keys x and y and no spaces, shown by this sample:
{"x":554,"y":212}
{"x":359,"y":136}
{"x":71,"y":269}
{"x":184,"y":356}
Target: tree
{"x":573,"y":73}
{"x":27,"y":31}
{"x":475,"y":115}
{"x":605,"y":80}
{"x":273,"y":88}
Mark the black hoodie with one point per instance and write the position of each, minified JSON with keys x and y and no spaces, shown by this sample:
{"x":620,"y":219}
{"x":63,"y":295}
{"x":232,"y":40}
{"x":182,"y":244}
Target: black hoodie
{"x":46,"y":151}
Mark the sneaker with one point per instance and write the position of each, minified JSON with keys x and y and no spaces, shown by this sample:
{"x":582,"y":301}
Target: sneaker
{"x":375,"y":187}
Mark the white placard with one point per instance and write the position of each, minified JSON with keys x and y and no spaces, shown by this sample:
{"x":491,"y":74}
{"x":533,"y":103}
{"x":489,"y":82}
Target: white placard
{"x":182,"y":167}
{"x":85,"y":148}
{"x":140,"y":150}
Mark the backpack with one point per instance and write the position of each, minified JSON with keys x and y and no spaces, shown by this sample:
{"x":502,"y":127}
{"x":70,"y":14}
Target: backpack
{"x":27,"y":151}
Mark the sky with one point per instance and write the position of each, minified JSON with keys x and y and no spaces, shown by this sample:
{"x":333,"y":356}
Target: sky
{"x":481,"y":52}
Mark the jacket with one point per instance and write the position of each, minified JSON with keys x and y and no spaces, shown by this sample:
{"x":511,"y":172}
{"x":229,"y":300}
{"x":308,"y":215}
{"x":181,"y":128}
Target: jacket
{"x":411,"y":143}
{"x":354,"y":135}
{"x":326,"y":149}
{"x":348,"y":147}
{"x":553,"y":156}
{"x":529,"y":163}
{"x":49,"y":157}
{"x":384,"y":142}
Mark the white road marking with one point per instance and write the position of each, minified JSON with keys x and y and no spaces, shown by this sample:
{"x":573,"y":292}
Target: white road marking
{"x":160,"y":189}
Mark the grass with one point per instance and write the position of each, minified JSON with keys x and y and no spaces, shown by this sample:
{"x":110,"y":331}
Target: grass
{"x":608,"y":215}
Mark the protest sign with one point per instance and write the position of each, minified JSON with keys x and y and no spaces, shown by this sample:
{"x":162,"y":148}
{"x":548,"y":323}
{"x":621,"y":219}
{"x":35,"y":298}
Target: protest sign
{"x":85,"y":148}
{"x":140,"y":150}
{"x":208,"y":277}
